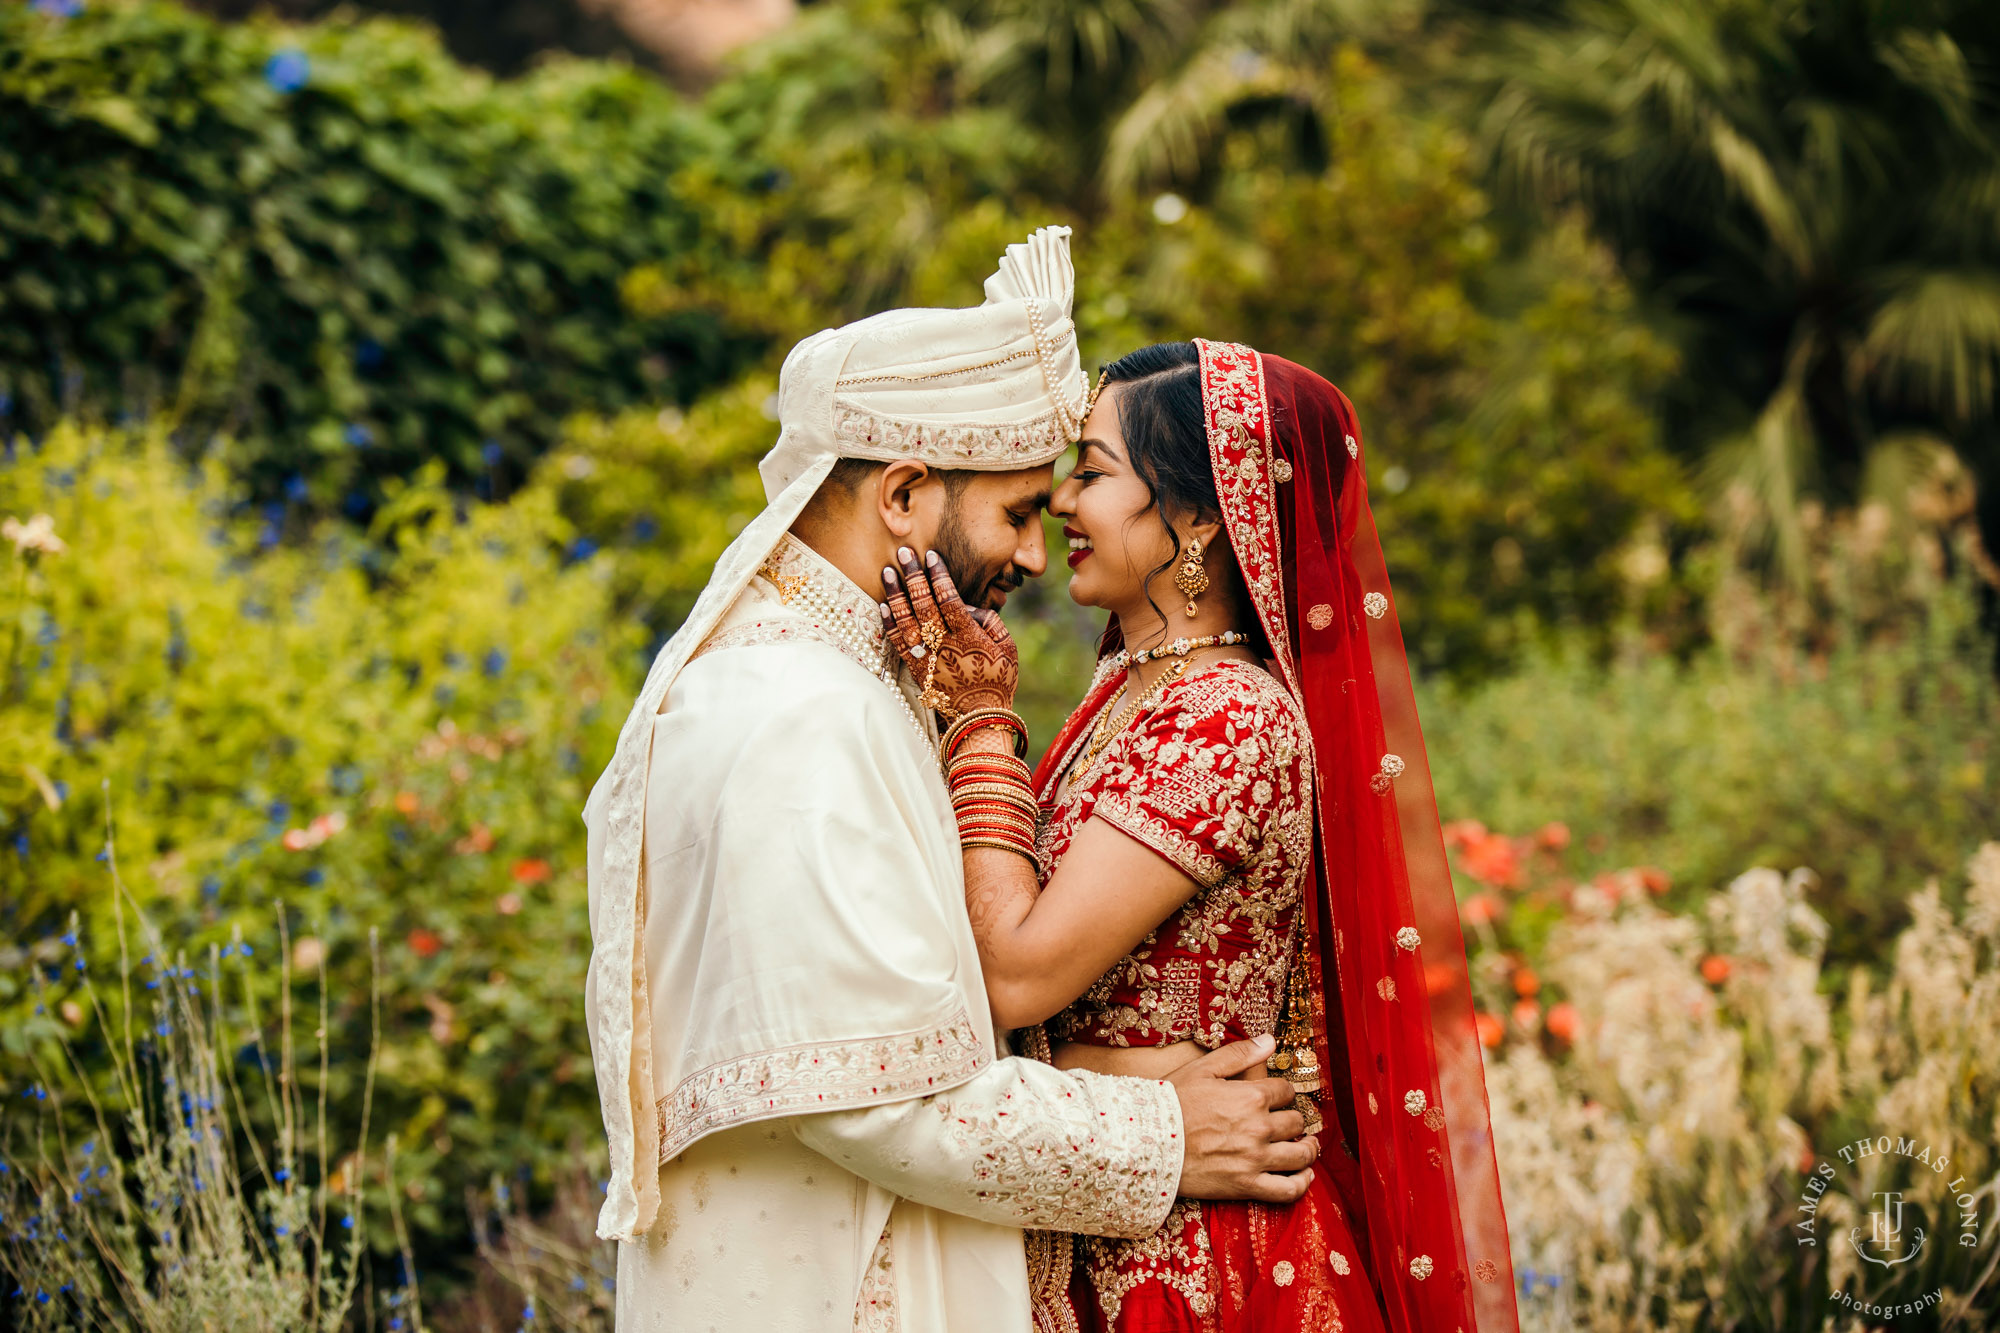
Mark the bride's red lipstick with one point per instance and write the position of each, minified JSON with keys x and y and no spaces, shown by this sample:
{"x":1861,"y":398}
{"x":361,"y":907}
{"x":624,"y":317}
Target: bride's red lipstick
{"x":1075,"y":557}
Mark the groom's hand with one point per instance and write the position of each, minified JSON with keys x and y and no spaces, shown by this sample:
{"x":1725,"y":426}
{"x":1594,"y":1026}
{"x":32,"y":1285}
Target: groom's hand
{"x":1243,"y":1139}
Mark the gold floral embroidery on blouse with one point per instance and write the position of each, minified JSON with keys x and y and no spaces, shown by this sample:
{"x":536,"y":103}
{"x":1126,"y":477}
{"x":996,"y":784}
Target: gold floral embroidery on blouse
{"x":1217,"y":779}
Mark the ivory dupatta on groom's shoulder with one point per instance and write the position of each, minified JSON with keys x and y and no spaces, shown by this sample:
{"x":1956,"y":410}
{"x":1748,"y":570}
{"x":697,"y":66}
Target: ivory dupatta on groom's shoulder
{"x":743,"y":998}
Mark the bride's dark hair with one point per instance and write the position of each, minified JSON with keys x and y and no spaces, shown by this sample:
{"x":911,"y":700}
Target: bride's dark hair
{"x":1166,"y":439}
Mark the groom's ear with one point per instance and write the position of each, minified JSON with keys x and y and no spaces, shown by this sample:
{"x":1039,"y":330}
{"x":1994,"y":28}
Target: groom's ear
{"x":905,"y":494}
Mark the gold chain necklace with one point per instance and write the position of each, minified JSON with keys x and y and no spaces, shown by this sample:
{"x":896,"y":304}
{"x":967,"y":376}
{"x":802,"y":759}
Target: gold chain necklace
{"x":1108,"y":730}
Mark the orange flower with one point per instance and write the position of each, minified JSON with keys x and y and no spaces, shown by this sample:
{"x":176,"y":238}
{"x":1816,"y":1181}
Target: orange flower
{"x":1491,"y":1029}
{"x":1715,"y":969}
{"x":297,"y":840}
{"x":1561,"y":1021}
{"x":1493,"y":860}
{"x":509,"y":904}
{"x":1553,"y":835}
{"x":1461,"y":832}
{"x":479,"y":840}
{"x":406,"y":803}
{"x":1655,"y":879}
{"x":424,"y":943}
{"x":532,"y":870}
{"x":1807,"y":1160}
{"x":1527,"y":1014}
{"x":1526,"y":982}
{"x":1483,"y":909}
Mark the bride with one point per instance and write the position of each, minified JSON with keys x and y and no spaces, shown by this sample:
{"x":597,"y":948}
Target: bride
{"x":1233,"y":836}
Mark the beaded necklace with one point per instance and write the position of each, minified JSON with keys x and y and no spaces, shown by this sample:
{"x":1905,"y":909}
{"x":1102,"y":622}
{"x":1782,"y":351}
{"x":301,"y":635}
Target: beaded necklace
{"x":1229,"y":638}
{"x":840,"y":627}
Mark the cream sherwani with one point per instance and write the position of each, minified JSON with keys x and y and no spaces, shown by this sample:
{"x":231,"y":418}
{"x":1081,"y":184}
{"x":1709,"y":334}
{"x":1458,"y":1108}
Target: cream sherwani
{"x":796,"y":813}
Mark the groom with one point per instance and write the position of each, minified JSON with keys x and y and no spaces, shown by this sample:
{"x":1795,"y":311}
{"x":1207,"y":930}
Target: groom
{"x":813,"y":1123}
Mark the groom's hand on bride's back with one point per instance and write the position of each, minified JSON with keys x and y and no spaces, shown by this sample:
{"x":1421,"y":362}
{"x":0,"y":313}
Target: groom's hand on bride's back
{"x":1244,"y":1140}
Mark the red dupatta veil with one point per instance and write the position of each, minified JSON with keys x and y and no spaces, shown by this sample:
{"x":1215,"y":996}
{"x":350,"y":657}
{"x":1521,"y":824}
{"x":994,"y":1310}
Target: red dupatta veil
{"x":1408,"y":1137}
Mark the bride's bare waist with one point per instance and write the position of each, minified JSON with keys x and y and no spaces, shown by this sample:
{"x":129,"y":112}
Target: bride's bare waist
{"x":1134,"y":1061}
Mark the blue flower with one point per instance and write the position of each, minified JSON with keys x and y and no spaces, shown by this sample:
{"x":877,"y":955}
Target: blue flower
{"x":369,"y":354}
{"x":491,"y":453}
{"x":582,"y":549}
{"x":347,"y":1224}
{"x":288,"y":70}
{"x":494,"y":662}
{"x":358,"y":435}
{"x":62,"y":9}
{"x":295,"y":488}
{"x":284,"y":1174}
{"x":314,"y":877}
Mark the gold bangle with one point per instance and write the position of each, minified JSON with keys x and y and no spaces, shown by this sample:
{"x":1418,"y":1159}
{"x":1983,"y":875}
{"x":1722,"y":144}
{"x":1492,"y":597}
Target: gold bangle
{"x":993,"y":823}
{"x":1024,"y":852}
{"x":990,"y":815}
{"x":1013,"y":791}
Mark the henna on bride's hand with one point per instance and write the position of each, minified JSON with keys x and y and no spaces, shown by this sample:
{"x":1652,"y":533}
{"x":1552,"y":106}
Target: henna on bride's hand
{"x":966,"y":656}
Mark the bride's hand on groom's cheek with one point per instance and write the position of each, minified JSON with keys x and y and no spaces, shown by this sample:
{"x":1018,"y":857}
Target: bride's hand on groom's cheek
{"x":964,"y":658}
{"x":1243,"y":1139}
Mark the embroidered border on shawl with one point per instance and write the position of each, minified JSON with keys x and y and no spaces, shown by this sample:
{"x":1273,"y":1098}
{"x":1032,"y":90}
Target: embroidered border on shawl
{"x":787,"y":630}
{"x":865,"y":435}
{"x":817,"y":1076}
{"x":1240,"y":451}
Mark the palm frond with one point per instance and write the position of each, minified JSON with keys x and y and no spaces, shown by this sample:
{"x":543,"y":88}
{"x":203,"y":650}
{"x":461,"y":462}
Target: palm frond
{"x":1935,"y":342}
{"x":1752,"y":178}
{"x":1166,"y":134}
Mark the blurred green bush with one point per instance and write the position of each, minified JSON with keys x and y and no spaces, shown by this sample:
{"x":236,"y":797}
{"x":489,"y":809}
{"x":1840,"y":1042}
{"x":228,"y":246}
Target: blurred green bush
{"x":395,"y":734}
{"x":332,"y":244}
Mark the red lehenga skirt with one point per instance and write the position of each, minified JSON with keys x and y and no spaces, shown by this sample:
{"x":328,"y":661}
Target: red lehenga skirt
{"x":1231,"y":1268}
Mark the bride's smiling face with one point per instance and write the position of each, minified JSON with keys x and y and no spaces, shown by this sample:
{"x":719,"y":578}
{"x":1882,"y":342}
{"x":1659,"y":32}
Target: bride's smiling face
{"x":1117,"y":545}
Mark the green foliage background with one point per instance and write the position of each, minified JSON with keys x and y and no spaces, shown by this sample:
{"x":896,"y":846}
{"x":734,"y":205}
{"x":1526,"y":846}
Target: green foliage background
{"x":399,"y":260}
{"x":391,"y":415}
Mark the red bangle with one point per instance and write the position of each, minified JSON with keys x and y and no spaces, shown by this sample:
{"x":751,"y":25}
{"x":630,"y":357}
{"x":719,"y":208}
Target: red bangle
{"x":979,"y":721}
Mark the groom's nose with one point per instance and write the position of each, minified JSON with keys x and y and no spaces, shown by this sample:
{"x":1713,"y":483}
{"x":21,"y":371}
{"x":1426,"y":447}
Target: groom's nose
{"x":1031,"y":557}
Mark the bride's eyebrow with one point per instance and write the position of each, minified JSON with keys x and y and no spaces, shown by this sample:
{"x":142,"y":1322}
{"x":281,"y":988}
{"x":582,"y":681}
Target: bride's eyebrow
{"x":1083,"y":448}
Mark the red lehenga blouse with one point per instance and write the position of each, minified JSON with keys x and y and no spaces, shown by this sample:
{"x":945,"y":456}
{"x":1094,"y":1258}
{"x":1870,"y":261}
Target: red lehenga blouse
{"x":1299,"y":800}
{"x":1217,"y":778}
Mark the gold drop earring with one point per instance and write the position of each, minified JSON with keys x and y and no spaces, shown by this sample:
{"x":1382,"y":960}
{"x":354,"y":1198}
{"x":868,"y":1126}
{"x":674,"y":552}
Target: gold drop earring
{"x":1191,"y":580}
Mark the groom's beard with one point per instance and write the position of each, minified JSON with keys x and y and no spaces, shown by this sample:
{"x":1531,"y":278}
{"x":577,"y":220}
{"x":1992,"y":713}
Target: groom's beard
{"x":980,"y":582}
